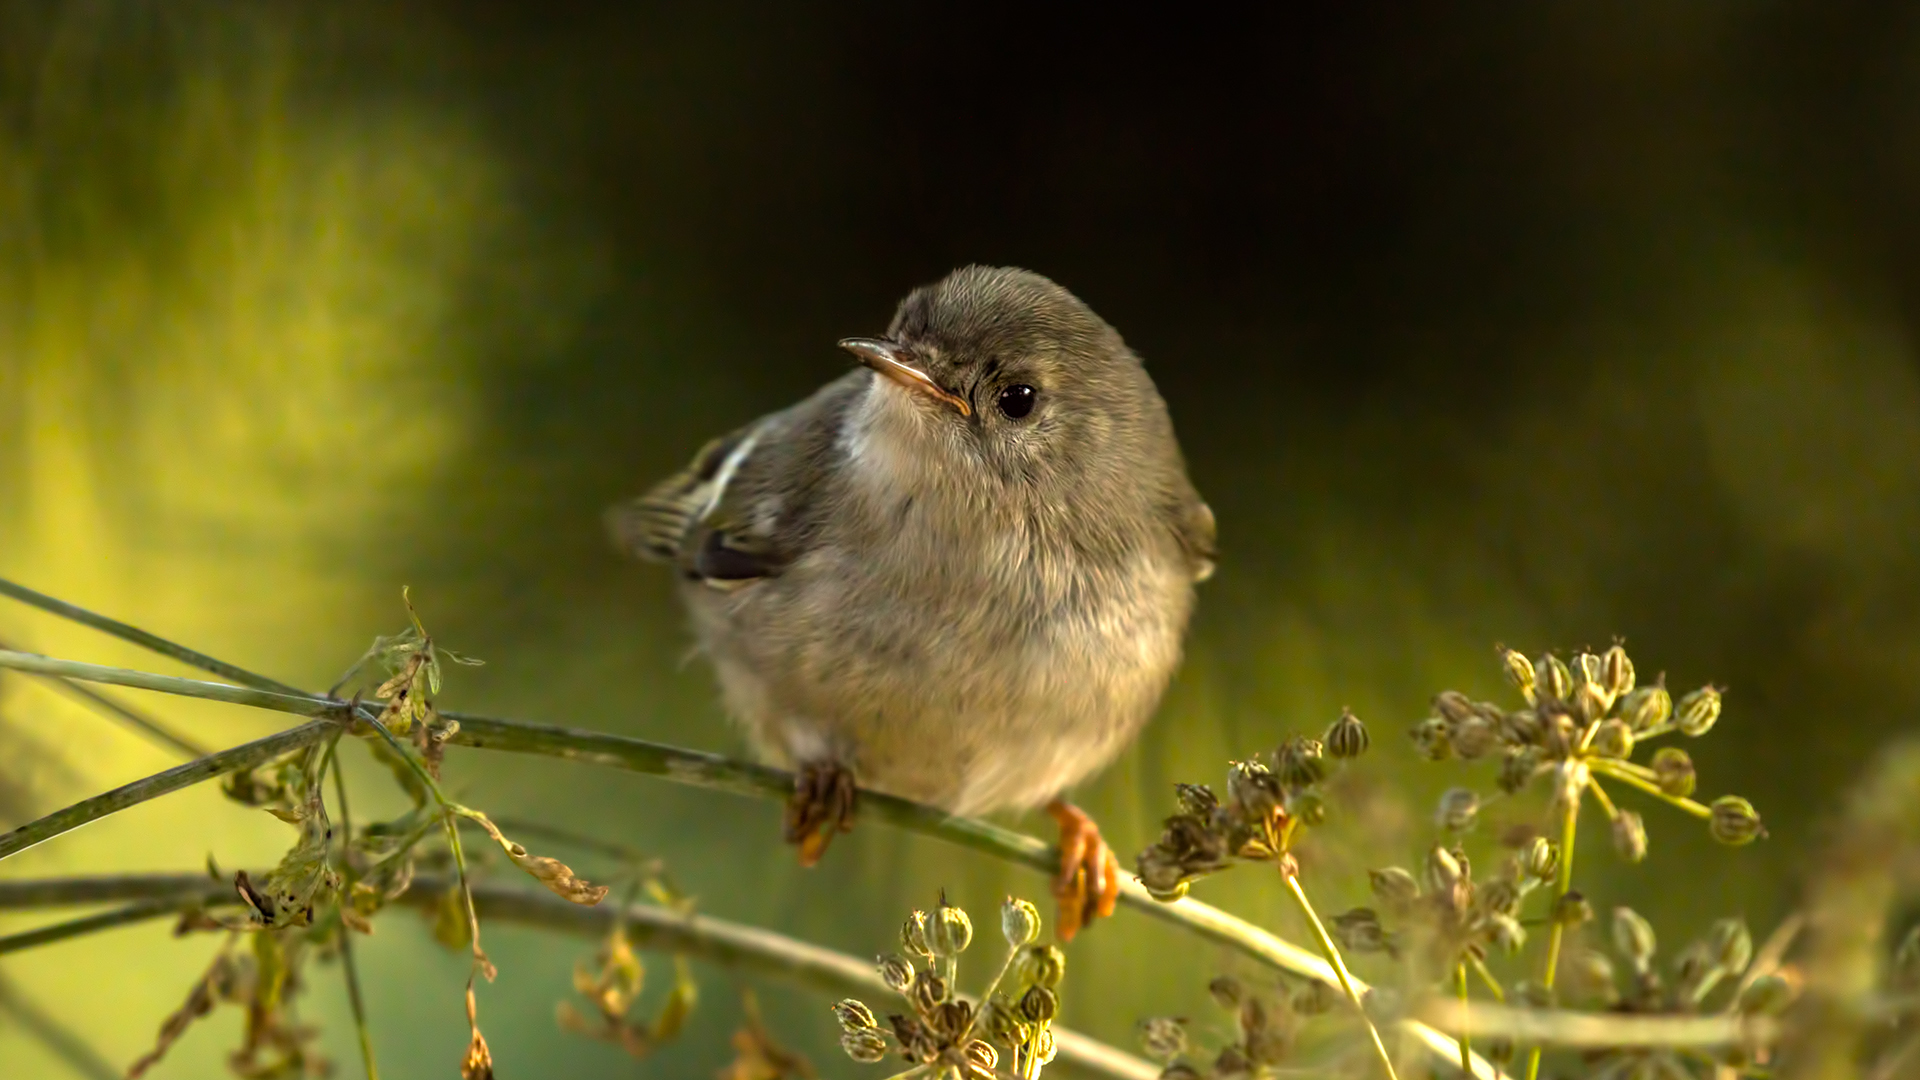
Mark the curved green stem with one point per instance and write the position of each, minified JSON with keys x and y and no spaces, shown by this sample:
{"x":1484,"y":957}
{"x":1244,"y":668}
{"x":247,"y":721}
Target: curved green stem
{"x":1569,"y":826}
{"x":1630,"y":779}
{"x":1347,"y":981}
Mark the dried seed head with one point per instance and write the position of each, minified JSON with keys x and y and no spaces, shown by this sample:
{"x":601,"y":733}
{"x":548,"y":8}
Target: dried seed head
{"x":1735,"y":821}
{"x":1593,"y":976}
{"x":1301,"y":762}
{"x":1673,"y":771}
{"x":1572,"y":909}
{"x":1019,"y":922}
{"x":1613,"y":739}
{"x":1042,"y":965}
{"x":1731,"y":945}
{"x":1630,"y":836}
{"x":1699,"y":711}
{"x":1540,"y":859}
{"x":949,"y":931}
{"x":1633,"y":937}
{"x":1180,"y":1070}
{"x":999,"y":1019}
{"x":866,"y":1046}
{"x":1348,"y":737}
{"x":928,"y":993}
{"x":1768,"y":995}
{"x":1616,"y":671}
{"x":1360,"y":931}
{"x":896,"y":971}
{"x":913,"y":935}
{"x":853,"y":1015}
{"x":981,"y":1056}
{"x":1519,"y":671}
{"x":1395,"y":887}
{"x":1457,"y":810}
{"x":1253,"y":787}
{"x":1518,"y":769}
{"x":1556,"y":682}
{"x":1196,"y":799}
{"x":1039,"y":1005}
{"x":1505,"y":933}
{"x":1430,"y":739}
{"x":1647,"y":707}
{"x":1163,"y":1037}
{"x":1227,"y":992}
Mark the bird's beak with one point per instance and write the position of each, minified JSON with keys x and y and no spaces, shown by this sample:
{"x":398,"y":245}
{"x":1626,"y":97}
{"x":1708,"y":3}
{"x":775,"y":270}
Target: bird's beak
{"x":896,"y":363}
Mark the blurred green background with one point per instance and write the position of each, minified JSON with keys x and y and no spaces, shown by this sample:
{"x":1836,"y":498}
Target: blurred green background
{"x":1533,"y":324}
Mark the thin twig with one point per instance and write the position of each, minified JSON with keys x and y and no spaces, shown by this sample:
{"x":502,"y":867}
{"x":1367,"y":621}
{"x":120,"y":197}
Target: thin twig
{"x":648,"y":926}
{"x":136,"y":912}
{"x":691,"y":767}
{"x":133,"y":718}
{"x":55,"y":1036}
{"x":1572,"y":787}
{"x":1597,"y":1031}
{"x":355,"y":1002}
{"x":1347,"y":981}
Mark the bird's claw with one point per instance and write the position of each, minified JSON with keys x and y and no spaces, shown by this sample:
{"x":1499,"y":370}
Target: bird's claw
{"x":823,"y":802}
{"x":1089,"y":882}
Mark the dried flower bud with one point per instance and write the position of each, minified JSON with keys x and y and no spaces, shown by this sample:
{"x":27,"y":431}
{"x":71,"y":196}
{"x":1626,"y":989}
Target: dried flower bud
{"x":1735,"y":821}
{"x":1396,"y":888}
{"x":1348,"y":737}
{"x":1768,"y":995}
{"x":913,"y":935}
{"x":1592,"y":975}
{"x":1540,"y":859}
{"x":853,"y":1015}
{"x":1699,"y":711}
{"x":1505,"y":932}
{"x":949,"y":930}
{"x":1038,"y":1005}
{"x":1556,"y":682}
{"x":1312,"y":999}
{"x":1430,"y":739}
{"x":896,"y":971}
{"x":1019,"y":922}
{"x":981,"y":1056}
{"x":1519,"y":671}
{"x":1042,"y":965}
{"x":928,"y":992}
{"x":1647,"y":707}
{"x":1196,"y":799}
{"x":1630,"y":836}
{"x":1572,"y":909}
{"x":1731,"y":945}
{"x":1633,"y":937}
{"x":1613,"y":739}
{"x":1443,"y":869}
{"x":1458,"y":807}
{"x":1307,"y":808}
{"x":1616,"y":671}
{"x":1300,"y":762}
{"x":1359,"y":931}
{"x":1163,"y":1037}
{"x":1518,"y":769}
{"x":865,"y":1046}
{"x":1227,"y":992}
{"x":1673,"y":771}
{"x":1453,"y":706}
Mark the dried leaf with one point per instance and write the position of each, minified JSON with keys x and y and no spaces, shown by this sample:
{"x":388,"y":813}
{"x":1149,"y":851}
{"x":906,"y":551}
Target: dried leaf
{"x":478,"y":1062}
{"x":200,"y":1001}
{"x":557,"y":876}
{"x":757,"y":1056}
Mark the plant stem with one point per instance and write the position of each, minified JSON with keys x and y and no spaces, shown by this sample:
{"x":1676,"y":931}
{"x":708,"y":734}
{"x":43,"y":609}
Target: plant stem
{"x":138,"y":911}
{"x":355,"y":1002}
{"x":717,"y":941}
{"x":132,"y":718}
{"x":1332,"y":953}
{"x":1631,"y":780}
{"x":1466,"y":1040}
{"x":1569,"y":827}
{"x":691,"y":767}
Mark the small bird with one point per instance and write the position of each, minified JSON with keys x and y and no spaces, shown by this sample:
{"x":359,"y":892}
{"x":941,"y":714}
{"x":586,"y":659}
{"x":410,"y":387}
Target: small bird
{"x":959,"y":574}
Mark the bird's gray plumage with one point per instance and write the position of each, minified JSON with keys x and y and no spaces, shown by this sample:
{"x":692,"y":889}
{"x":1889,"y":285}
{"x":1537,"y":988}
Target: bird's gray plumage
{"x":968,"y":610}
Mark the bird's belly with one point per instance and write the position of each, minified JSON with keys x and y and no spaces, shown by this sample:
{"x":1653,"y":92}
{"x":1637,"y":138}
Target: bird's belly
{"x":973,"y":700}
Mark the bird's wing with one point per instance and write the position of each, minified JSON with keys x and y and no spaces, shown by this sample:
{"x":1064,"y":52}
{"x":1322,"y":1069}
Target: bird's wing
{"x":739,"y":511}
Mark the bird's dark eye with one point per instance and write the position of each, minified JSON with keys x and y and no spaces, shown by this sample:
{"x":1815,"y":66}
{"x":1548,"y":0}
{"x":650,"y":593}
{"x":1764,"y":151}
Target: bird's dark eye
{"x":1016,"y":401}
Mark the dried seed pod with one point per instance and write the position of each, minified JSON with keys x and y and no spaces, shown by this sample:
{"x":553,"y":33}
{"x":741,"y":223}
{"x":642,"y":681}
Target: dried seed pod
{"x":1196,"y":799}
{"x":1253,"y":787}
{"x":1673,"y":771}
{"x":927,"y":993}
{"x":1518,"y":769}
{"x":1587,"y":670}
{"x":1505,"y":933}
{"x":1633,"y":936}
{"x":1348,"y":737}
{"x":1395,"y":887}
{"x":1001,"y":1020}
{"x":1227,"y":992}
{"x":1301,"y":762}
{"x":1019,"y":922}
{"x":1163,"y":1037}
{"x":854,"y":1015}
{"x":1430,"y":739}
{"x":1592,"y":975}
{"x":1359,"y":931}
{"x":913,"y":935}
{"x":1180,"y":1070}
{"x":1613,"y":739}
{"x":1443,"y":869}
{"x":896,"y":971}
{"x":1735,"y":821}
{"x":949,"y":930}
{"x":1731,"y":945}
{"x":1630,"y":836}
{"x":1647,"y":707}
{"x":1474,"y":738}
{"x":1616,"y":671}
{"x":1699,"y":711}
{"x":1307,"y":807}
{"x":981,"y":1056}
{"x":1453,"y":706}
{"x":1519,"y":672}
{"x":865,"y":1046}
{"x":1590,"y":702}
{"x":1313,"y":999}
{"x":1541,"y":858}
{"x":1572,"y":909}
{"x":1768,"y":995}
{"x":1499,"y":897}
{"x":1457,"y":810}
{"x":1039,"y":1005}
{"x":1556,"y":681}
{"x":1042,"y":965}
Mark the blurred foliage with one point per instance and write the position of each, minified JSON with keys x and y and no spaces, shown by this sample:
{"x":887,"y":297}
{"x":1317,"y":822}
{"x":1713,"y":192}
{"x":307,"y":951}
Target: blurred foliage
{"x":1528,"y":324}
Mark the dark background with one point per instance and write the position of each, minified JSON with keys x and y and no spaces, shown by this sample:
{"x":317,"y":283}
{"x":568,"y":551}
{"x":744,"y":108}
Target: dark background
{"x":1482,"y":323}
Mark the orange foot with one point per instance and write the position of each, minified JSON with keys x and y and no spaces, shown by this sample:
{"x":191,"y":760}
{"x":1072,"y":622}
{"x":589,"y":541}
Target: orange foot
{"x":1089,"y":881}
{"x":822,"y":805}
